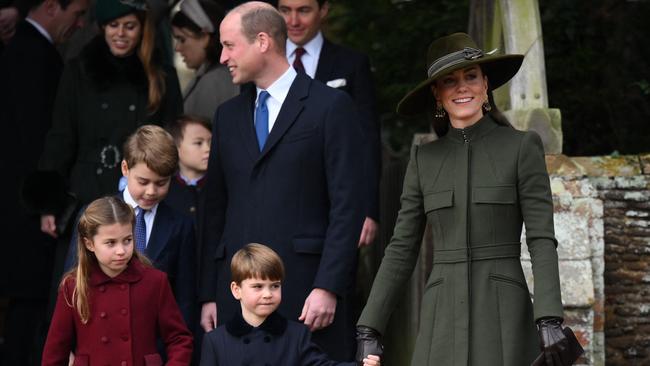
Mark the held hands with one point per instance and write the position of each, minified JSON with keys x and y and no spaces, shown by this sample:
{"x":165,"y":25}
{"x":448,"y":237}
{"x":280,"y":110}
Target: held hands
{"x":368,"y":232}
{"x":553,"y":341}
{"x":209,"y":316}
{"x":369,"y":349}
{"x":318,"y":311}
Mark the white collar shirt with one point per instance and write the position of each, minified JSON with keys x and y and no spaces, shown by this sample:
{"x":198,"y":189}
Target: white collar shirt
{"x":40,"y":29}
{"x":149,"y":215}
{"x":277,"y":94}
{"x":312,"y":53}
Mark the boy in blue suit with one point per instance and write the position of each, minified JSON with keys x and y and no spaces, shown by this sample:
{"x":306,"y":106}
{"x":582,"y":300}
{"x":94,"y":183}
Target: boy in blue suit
{"x":258,"y":334}
{"x":150,"y":161}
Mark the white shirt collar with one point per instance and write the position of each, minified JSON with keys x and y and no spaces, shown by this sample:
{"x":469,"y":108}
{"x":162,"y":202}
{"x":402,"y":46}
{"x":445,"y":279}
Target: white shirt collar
{"x":40,"y":29}
{"x":311,"y":56}
{"x":280,"y":88}
{"x":131,"y":202}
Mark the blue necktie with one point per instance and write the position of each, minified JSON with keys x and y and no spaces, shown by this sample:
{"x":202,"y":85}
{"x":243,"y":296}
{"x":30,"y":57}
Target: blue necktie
{"x":140,"y":231}
{"x":262,"y":119}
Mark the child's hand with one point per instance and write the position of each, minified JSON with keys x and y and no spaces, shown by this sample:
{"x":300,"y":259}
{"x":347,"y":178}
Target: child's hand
{"x":371,"y":360}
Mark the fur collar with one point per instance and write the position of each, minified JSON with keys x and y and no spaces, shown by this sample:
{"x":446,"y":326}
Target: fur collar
{"x":105,"y":70}
{"x":275,"y":324}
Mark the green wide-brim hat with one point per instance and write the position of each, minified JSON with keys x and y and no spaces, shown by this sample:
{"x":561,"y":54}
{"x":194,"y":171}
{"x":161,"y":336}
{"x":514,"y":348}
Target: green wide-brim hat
{"x":451,"y":53}
{"x":107,"y":10}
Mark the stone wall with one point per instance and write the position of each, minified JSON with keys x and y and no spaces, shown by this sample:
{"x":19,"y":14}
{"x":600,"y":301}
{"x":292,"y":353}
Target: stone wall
{"x":603,"y":220}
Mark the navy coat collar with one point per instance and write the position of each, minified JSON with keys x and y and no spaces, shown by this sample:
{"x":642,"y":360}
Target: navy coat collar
{"x":275,"y":324}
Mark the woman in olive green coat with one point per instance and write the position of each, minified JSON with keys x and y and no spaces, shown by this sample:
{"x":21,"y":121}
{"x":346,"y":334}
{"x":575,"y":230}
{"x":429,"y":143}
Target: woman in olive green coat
{"x":475,"y":186}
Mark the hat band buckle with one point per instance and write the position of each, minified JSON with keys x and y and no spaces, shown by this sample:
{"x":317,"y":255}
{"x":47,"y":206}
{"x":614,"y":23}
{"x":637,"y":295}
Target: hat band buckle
{"x":454,"y":58}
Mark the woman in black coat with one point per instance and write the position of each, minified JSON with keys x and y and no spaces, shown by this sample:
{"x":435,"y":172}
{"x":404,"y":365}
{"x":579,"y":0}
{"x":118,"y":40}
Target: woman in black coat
{"x":113,"y":87}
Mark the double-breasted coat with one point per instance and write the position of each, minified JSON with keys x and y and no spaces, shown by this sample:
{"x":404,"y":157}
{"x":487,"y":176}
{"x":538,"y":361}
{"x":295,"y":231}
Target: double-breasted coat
{"x":127,"y":313}
{"x":277,"y":341}
{"x":101,"y":100}
{"x":475,"y":187}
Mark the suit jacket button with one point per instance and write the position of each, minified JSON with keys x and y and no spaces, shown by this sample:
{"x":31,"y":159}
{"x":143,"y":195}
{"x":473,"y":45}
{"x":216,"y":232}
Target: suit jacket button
{"x":104,"y":105}
{"x":247,"y":341}
{"x":102,"y":315}
{"x":104,"y":339}
{"x":132,"y":107}
{"x":99,"y":171}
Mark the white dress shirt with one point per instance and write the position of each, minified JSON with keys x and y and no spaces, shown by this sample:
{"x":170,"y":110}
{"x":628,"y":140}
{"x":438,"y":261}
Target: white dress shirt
{"x":40,"y":29}
{"x":277,"y":94}
{"x":149,"y":216}
{"x":312,"y":53}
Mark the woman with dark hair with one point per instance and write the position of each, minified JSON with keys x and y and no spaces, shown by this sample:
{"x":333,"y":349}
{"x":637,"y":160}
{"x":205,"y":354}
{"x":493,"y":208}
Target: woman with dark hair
{"x":114,"y":86}
{"x":196,"y":31}
{"x":475,"y":186}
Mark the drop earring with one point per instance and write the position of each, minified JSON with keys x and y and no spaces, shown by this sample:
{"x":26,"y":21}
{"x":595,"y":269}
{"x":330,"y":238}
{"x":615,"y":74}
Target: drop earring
{"x":439,"y":112}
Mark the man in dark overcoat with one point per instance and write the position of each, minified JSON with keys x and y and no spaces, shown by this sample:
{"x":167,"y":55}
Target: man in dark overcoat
{"x":30,"y":68}
{"x":285,"y":170}
{"x":344,"y":69}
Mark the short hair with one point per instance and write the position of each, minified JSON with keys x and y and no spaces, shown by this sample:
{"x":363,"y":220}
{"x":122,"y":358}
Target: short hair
{"x":177,"y":127}
{"x":215,"y":13}
{"x":256,"y":261}
{"x":153,"y":146}
{"x":27,"y":5}
{"x":264,"y":19}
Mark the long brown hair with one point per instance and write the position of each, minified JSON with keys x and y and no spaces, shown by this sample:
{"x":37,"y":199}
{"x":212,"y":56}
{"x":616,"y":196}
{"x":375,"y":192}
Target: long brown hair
{"x":103,"y":211}
{"x":155,"y":75}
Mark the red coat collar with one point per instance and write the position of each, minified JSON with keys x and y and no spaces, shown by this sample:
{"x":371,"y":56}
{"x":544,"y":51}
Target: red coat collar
{"x":132,"y":273}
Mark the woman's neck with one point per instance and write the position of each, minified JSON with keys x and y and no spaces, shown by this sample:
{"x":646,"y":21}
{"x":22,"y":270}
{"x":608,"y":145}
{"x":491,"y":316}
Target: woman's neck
{"x":462,"y":123}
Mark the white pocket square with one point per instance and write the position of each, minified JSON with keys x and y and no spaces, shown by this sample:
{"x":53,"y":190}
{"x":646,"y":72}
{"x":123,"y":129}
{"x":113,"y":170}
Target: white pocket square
{"x":337,"y":83}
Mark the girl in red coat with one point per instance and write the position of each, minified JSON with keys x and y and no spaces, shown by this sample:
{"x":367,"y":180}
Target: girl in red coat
{"x":112,"y":307}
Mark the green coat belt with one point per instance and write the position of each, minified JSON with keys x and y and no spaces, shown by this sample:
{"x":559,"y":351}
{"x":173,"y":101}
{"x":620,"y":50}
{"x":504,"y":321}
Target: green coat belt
{"x":475,"y":187}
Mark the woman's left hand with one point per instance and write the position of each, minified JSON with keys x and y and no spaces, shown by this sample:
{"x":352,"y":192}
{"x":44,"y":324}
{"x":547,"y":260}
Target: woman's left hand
{"x":554,"y":342}
{"x":371,"y":360}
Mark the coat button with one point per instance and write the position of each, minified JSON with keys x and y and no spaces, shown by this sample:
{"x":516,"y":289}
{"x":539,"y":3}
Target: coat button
{"x":125,"y":337}
{"x":99,"y":171}
{"x":102,"y":288}
{"x":192,"y":209}
{"x":124,"y":311}
{"x":102,"y":315}
{"x":132,"y":107}
{"x":104,"y":105}
{"x":123,"y":286}
{"x":247,"y":341}
{"x":124,"y":363}
{"x":104,"y":339}
{"x":267,"y":339}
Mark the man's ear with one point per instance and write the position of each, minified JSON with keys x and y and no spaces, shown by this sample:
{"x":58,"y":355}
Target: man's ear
{"x":125,"y":168}
{"x":52,"y":7}
{"x":264,"y":41}
{"x":324,"y":10}
{"x":236,"y":290}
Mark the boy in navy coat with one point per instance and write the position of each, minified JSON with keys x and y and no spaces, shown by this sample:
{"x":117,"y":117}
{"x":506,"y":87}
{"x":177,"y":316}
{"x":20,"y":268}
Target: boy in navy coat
{"x":150,"y":161}
{"x":259,"y":335}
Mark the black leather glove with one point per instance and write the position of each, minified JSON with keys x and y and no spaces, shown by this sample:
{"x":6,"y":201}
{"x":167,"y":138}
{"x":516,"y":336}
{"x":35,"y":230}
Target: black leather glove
{"x":367,"y":343}
{"x":553,"y":342}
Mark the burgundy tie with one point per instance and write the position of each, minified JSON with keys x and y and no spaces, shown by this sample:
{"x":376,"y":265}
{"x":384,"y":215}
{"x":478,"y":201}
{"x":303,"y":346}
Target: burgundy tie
{"x":297,"y":62}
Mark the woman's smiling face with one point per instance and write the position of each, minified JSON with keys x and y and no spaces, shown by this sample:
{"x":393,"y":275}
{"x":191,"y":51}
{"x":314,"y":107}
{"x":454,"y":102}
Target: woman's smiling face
{"x":123,"y":35}
{"x":462,"y":94}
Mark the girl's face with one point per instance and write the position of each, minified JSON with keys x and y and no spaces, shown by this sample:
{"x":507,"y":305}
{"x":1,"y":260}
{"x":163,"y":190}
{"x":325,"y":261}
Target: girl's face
{"x":462,"y":94}
{"x":191,"y":46}
{"x":113,"y":247}
{"x":123,"y":35}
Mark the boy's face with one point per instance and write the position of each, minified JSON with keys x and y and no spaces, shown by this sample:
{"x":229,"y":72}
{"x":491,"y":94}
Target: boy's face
{"x":258,"y":298}
{"x":145,"y":186}
{"x":194,"y":148}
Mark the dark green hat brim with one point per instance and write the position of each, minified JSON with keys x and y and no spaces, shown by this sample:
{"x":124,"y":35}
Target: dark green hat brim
{"x":498,"y":68}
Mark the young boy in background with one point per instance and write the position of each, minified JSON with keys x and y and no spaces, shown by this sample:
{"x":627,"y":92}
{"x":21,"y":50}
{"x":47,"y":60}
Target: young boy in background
{"x":258,"y":334}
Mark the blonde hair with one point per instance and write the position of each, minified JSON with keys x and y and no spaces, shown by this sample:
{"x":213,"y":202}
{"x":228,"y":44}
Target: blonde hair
{"x":103,"y":211}
{"x":153,"y":146}
{"x":256,"y":261}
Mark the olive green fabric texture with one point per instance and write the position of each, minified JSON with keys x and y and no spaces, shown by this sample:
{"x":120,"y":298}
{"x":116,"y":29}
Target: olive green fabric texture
{"x":475,"y":195}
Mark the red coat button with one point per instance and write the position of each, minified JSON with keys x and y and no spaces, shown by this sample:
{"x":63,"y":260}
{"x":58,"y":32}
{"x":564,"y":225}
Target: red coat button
{"x":104,"y":339}
{"x":124,"y":363}
{"x":125,"y":337}
{"x":124,"y":311}
{"x":123,"y":286}
{"x":102,"y":315}
{"x":102,"y":288}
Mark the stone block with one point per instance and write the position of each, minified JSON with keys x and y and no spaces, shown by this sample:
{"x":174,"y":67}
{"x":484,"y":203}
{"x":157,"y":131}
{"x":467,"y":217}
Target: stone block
{"x":575,"y":279}
{"x":547,"y":122}
{"x":645,"y":163}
